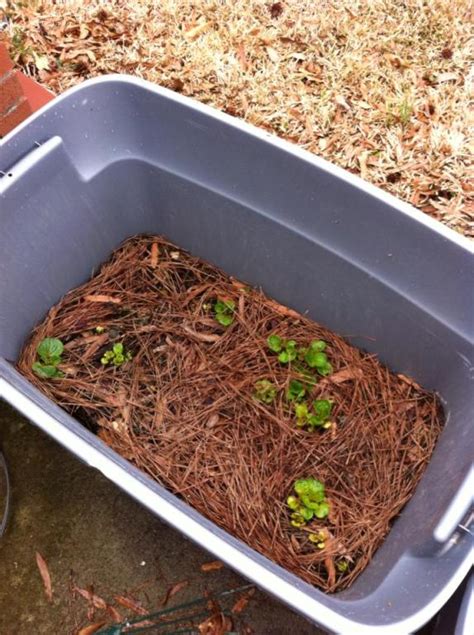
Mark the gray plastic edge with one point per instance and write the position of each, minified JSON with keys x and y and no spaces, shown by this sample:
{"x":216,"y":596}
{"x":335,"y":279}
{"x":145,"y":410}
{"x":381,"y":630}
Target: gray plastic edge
{"x":268,"y":580}
{"x":305,"y":155}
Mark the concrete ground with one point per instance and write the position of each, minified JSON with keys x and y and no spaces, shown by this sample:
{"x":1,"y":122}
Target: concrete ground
{"x":90,"y":532}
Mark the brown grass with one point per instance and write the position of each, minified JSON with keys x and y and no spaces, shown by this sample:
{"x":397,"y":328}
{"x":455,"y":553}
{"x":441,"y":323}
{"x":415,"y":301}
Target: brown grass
{"x":183,"y":409}
{"x":380,"y":87}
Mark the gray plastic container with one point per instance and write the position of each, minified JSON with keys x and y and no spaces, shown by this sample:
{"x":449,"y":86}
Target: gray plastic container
{"x":118,"y":156}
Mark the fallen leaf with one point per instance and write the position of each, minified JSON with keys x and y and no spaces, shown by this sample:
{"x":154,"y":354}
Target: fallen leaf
{"x":44,"y":572}
{"x":215,"y":564}
{"x":273,"y":54}
{"x":276,"y":9}
{"x":339,"y":99}
{"x":97,"y":601}
{"x":92,"y":628}
{"x":128,"y":603}
{"x":203,"y":337}
{"x":283,"y":310}
{"x":94,"y":346}
{"x":242,"y":602}
{"x":216,"y":625}
{"x":41,"y":62}
{"x":409,"y":381}
{"x":102,"y":298}
{"x":114,"y":614}
{"x":154,"y":255}
{"x":445,"y":77}
{"x":242,"y":57}
{"x":346,"y":374}
{"x":173,"y":591}
{"x":196,"y":31}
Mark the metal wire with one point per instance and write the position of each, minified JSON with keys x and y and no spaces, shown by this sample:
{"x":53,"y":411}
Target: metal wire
{"x":6,"y":509}
{"x":136,"y":625}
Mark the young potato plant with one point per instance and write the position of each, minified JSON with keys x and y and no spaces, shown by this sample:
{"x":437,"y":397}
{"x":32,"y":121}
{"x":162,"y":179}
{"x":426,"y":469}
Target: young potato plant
{"x":116,"y":355}
{"x":50,"y":352}
{"x":286,"y":349}
{"x":317,"y":417}
{"x":309,"y":502}
{"x":224,"y":312}
{"x":308,"y":359}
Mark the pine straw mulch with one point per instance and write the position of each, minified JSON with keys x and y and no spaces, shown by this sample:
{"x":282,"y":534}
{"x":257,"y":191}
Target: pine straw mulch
{"x":182,"y":410}
{"x":381,"y":88}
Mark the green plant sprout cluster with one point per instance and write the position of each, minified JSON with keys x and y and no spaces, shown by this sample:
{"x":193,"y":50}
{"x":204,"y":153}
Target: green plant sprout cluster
{"x":310,"y":501}
{"x":116,"y":355}
{"x":50,"y":352}
{"x":224,"y":312}
{"x":342,"y":566}
{"x":265,"y":391}
{"x":313,"y":355}
{"x":318,"y":539}
{"x":318,"y":417}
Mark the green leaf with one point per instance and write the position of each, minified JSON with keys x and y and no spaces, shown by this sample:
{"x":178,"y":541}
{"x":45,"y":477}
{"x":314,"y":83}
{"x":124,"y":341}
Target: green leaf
{"x":309,"y":487}
{"x":229,"y":305}
{"x":325,"y":370}
{"x":315,"y":359}
{"x":219,"y":307}
{"x":118,"y":348}
{"x":50,"y":350}
{"x":224,"y":319}
{"x":274,"y":343}
{"x":283,"y":357}
{"x":292,"y":502}
{"x":301,"y":411}
{"x":317,"y":346}
{"x":265,"y":391}
{"x":296,"y":391}
{"x":45,"y":371}
{"x":322,"y":409}
{"x":290,"y":345}
{"x":306,"y":512}
{"x":323,"y":510}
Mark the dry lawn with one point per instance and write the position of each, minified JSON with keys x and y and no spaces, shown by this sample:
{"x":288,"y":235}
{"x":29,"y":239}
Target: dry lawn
{"x":379,"y":87}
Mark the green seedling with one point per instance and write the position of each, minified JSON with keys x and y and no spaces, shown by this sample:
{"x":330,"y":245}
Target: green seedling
{"x":50,"y":352}
{"x":99,"y":329}
{"x":310,"y":501}
{"x":224,"y":312}
{"x":116,"y":355}
{"x":286,"y":349}
{"x":264,"y":391}
{"x":295,"y":391}
{"x":342,"y":566}
{"x":318,"y":417}
{"x":318,"y":539}
{"x":316,"y":358}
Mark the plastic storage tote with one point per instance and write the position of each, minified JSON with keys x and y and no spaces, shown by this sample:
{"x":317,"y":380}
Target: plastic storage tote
{"x":117,"y":157}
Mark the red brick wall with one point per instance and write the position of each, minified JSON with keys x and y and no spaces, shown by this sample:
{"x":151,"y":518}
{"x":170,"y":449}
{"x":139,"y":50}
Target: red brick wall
{"x":19,"y":95}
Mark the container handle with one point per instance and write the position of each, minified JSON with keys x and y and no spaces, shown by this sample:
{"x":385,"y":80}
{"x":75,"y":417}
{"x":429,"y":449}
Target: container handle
{"x":459,"y":515}
{"x":40,"y":152}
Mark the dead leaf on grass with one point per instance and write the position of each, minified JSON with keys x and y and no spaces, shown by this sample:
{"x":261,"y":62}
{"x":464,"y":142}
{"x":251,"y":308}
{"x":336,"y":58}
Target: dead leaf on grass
{"x":97,"y":601}
{"x":44,"y":572}
{"x":173,"y":591}
{"x":212,"y":566}
{"x":130,"y":604}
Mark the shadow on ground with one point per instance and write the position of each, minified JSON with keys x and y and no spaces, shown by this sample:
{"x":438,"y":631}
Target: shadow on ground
{"x":90,"y":532}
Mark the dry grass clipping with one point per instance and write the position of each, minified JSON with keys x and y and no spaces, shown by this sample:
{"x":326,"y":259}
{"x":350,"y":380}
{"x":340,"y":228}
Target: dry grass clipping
{"x":183,"y":409}
{"x":380,"y":87}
